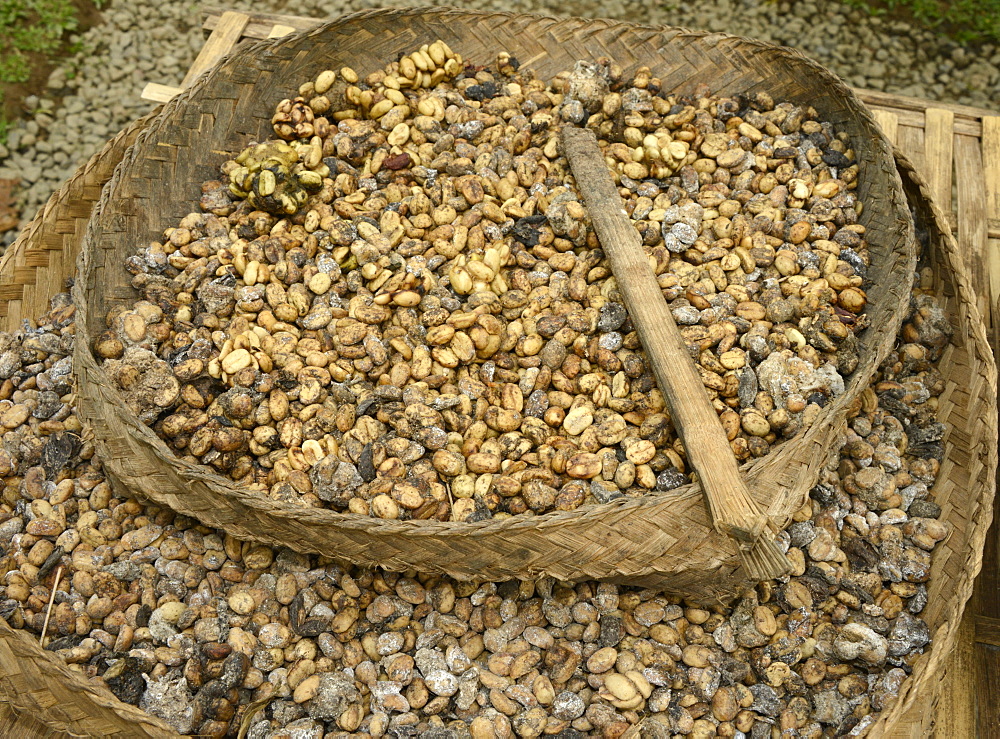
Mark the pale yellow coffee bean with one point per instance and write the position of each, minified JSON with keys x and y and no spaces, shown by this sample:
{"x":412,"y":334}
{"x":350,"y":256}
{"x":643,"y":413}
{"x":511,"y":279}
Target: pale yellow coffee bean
{"x":320,"y":283}
{"x":755,"y":424}
{"x":733,"y":359}
{"x":577,"y":420}
{"x":852,"y":299}
{"x":620,"y":687}
{"x":266,"y":183}
{"x":251,"y":273}
{"x":406,"y":298}
{"x":236,"y":360}
{"x":437,"y":53}
{"x":826,"y":189}
{"x":134,"y":326}
{"x":407,"y":68}
{"x":383,"y":506}
{"x":324,"y":81}
{"x":399,"y":135}
{"x":380,"y":108}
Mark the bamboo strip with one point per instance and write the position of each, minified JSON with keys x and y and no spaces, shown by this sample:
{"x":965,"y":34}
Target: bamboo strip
{"x":991,"y":166}
{"x":904,"y":102}
{"x":910,"y":139}
{"x":228,"y":31}
{"x":888,"y":121}
{"x":158,"y":93}
{"x":991,"y":181}
{"x":226,"y":35}
{"x":956,"y":710}
{"x":987,"y":630}
{"x":972,"y":232}
{"x":938,"y":144}
{"x":260,"y":24}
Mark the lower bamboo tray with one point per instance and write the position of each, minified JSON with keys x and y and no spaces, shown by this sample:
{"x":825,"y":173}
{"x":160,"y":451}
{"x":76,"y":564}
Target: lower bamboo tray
{"x":39,"y":695}
{"x":957,"y":148}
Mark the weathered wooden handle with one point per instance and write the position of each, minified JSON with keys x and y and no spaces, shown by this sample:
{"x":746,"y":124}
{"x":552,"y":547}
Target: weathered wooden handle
{"x":733,"y":511}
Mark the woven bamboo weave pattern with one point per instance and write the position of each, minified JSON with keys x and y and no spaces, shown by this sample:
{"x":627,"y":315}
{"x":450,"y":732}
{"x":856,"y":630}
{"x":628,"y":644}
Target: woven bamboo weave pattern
{"x":39,"y":691}
{"x":36,"y":266}
{"x":966,"y":496}
{"x":968,"y":407}
{"x":39,"y":695}
{"x":659,"y":541}
{"x":966,"y":484}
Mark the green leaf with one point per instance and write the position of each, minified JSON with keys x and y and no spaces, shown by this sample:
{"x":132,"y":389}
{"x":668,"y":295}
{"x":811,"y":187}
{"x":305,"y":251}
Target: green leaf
{"x":14,"y":67}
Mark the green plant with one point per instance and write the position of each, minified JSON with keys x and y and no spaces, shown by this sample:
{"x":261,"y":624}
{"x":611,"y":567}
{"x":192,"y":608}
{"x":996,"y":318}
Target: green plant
{"x":31,"y":26}
{"x":5,"y":126}
{"x":967,"y":21}
{"x":14,"y":67}
{"x":5,"y":123}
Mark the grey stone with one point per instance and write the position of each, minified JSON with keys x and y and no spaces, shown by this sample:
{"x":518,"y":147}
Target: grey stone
{"x":830,"y":707}
{"x":925,"y":509}
{"x":336,"y":692}
{"x":908,"y":634}
{"x":568,"y":706}
{"x":169,"y":699}
{"x":859,"y":642}
{"x":765,"y":700}
{"x":333,"y":480}
{"x":123,"y":570}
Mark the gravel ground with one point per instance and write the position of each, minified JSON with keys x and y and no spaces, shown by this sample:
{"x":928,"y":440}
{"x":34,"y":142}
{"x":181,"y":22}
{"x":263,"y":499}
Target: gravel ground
{"x":156,"y":41}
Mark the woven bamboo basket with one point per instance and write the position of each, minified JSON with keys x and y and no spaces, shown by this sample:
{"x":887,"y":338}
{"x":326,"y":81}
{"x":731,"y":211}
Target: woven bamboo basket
{"x":966,"y":485}
{"x":39,"y":695}
{"x":663,"y":540}
{"x":38,"y":264}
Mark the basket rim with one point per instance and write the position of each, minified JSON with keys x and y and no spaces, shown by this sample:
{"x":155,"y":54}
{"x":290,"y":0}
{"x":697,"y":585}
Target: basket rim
{"x":780,"y":511}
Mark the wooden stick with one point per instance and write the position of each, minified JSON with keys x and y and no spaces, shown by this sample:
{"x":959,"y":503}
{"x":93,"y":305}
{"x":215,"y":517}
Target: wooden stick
{"x":733,"y":511}
{"x":222,"y":40}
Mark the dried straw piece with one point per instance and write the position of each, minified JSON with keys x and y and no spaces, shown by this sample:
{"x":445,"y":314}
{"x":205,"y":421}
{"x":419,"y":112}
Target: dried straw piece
{"x":763,"y":560}
{"x":734,"y":513}
{"x":48,"y":610}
